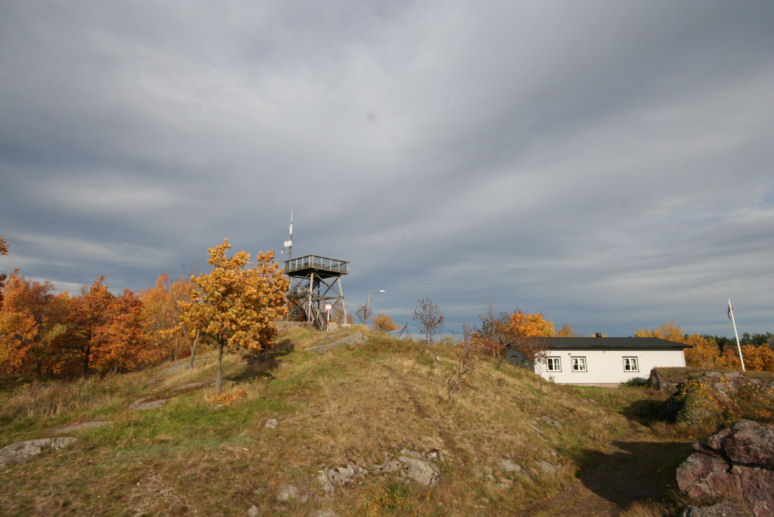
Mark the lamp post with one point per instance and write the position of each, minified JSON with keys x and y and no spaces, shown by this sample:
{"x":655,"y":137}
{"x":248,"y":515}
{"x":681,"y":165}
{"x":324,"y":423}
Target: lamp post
{"x":368,"y":303}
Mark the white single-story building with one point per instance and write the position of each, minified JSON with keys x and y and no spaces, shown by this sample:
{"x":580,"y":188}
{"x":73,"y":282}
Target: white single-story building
{"x":602,"y":360}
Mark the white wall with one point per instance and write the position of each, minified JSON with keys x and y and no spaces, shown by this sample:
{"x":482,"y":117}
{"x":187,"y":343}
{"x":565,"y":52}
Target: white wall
{"x":607,"y":366}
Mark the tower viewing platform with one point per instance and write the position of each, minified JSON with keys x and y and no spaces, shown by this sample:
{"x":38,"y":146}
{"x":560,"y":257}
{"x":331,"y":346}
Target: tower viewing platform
{"x":322,"y":267}
{"x":315,"y":288}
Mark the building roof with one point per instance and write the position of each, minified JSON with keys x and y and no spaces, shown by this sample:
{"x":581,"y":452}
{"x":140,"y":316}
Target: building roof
{"x":611,"y":343}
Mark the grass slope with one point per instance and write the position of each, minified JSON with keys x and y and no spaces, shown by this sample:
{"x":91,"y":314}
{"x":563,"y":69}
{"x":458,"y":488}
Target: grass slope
{"x":356,"y":403}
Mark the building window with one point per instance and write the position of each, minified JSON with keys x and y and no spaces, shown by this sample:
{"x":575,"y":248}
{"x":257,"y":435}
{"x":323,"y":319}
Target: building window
{"x":630,"y":364}
{"x":554,"y":364}
{"x":578,"y":364}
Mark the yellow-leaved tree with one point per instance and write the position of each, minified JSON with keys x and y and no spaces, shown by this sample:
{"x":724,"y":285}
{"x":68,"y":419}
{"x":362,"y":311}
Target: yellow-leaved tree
{"x":526,"y":332}
{"x":236,"y":304}
{"x":703,"y":352}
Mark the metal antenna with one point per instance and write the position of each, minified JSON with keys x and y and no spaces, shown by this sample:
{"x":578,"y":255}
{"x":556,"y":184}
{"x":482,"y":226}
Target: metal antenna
{"x":289,"y":243}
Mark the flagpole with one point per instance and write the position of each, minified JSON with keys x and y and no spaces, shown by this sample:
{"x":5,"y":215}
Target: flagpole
{"x":736,"y":334}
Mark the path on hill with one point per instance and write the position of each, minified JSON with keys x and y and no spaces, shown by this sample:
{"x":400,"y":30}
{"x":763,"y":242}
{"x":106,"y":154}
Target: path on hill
{"x":448,"y":440}
{"x":637,"y":469}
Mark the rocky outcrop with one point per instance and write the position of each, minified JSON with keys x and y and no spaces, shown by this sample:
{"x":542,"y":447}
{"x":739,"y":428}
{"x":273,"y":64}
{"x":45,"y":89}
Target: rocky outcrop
{"x":706,"y":401}
{"x":422,"y":468}
{"x":340,"y":476}
{"x":419,"y":469}
{"x":724,"y":509}
{"x":22,"y":451}
{"x":735,"y":464}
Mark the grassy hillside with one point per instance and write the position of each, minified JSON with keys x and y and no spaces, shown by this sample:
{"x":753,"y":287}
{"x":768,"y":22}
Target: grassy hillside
{"x":506,"y":445}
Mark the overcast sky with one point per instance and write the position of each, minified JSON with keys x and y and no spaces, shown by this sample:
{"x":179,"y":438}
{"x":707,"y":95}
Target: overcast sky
{"x":610,"y":164}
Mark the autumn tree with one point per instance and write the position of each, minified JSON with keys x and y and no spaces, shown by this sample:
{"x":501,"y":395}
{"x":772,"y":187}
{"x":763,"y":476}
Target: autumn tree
{"x":18,"y":324}
{"x":759,"y":358}
{"x":567,"y":331}
{"x":122,"y":344}
{"x":161,"y":316}
{"x":670,"y":331}
{"x":236,"y":305}
{"x":703,"y":352}
{"x":182,"y":292}
{"x":429,"y":317}
{"x":527,"y":333}
{"x":30,"y":317}
{"x":383,"y":323}
{"x":89,"y":312}
{"x":492,"y":337}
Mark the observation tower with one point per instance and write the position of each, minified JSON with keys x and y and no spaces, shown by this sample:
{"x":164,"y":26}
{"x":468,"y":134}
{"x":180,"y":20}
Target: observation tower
{"x":315,"y":282}
{"x":315,"y":285}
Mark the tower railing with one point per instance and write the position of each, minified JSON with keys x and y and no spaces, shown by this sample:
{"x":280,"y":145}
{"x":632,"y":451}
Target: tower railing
{"x":316,"y":262}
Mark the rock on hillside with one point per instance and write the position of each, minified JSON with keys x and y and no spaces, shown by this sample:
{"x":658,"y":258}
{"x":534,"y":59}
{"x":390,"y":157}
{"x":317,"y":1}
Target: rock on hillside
{"x":22,"y":451}
{"x":735,"y":464}
{"x":712,"y":400}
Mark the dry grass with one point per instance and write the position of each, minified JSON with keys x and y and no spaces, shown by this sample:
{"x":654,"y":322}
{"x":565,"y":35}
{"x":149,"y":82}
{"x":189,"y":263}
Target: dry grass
{"x":353,"y":404}
{"x":647,"y":509}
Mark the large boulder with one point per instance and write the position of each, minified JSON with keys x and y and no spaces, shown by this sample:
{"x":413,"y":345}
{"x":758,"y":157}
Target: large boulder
{"x":750,"y":443}
{"x":735,"y":464}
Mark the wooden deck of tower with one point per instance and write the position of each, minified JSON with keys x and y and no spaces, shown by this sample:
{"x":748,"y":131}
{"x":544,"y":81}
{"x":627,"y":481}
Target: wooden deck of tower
{"x":322,"y":267}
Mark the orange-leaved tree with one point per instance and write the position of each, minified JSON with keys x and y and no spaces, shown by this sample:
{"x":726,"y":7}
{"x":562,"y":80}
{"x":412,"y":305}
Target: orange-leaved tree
{"x":759,"y":358}
{"x":18,"y":326}
{"x":236,"y":305}
{"x":526,"y":332}
{"x":122,"y":344}
{"x":567,"y":331}
{"x":182,"y":292}
{"x":30,"y":318}
{"x":703,"y":352}
{"x":161,"y":316}
{"x":88,"y":313}
{"x":383,"y":323}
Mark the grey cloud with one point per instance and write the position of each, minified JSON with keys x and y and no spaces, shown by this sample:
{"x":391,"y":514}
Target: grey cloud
{"x":606,"y":163}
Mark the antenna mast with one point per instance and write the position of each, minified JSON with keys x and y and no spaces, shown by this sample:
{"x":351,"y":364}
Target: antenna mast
{"x":289,"y":243}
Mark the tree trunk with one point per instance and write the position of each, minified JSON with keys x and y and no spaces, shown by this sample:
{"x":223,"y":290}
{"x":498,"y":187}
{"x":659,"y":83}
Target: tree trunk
{"x":192,"y":348}
{"x":86,"y":360}
{"x":219,"y":375}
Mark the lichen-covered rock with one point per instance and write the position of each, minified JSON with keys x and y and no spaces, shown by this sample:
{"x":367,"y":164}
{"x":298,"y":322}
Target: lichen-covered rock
{"x":709,"y":401}
{"x":736,"y":465}
{"x":419,"y":469}
{"x":22,"y":451}
{"x":345,"y":475}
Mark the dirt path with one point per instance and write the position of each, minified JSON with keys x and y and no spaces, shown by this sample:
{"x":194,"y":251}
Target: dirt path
{"x":449,"y":442}
{"x":639,"y":469}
